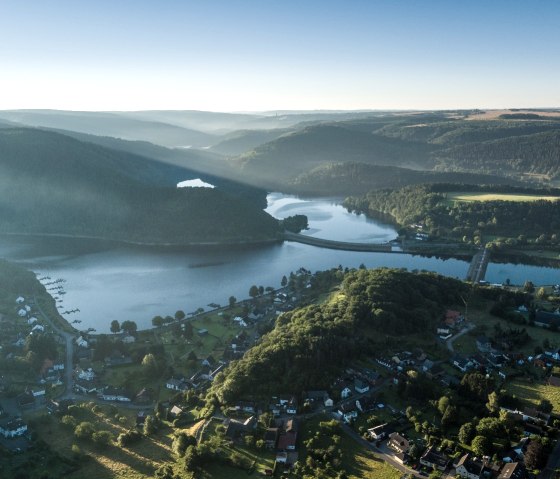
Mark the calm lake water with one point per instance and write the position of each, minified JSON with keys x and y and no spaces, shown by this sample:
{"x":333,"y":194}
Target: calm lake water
{"x":108,"y":282}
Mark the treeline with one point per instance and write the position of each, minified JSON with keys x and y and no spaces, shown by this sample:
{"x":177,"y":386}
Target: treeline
{"x":359,"y":178}
{"x":308,"y":346}
{"x":428,"y":205}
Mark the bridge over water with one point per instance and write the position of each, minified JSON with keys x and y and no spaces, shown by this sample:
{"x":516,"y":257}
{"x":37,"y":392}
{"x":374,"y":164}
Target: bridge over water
{"x":479,"y":263}
{"x":340,"y":245}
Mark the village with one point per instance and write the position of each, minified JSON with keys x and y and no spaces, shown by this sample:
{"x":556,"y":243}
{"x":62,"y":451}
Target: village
{"x":169,"y":368}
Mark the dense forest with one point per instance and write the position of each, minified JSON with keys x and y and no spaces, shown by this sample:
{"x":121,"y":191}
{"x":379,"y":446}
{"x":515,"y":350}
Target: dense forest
{"x":429,"y":205}
{"x":308,"y":346}
{"x":54,"y":184}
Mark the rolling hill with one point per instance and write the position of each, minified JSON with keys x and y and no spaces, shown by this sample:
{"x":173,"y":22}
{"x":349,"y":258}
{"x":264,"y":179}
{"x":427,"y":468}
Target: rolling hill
{"x":111,"y":124}
{"x":54,"y":184}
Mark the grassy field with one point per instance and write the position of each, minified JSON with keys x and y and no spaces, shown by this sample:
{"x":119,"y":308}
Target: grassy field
{"x":139,"y":461}
{"x":533,"y":393}
{"x":476,"y":196}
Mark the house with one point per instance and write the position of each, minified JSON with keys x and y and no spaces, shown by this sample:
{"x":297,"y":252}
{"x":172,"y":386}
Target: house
{"x":85,"y":374}
{"x":175,"y":411}
{"x":209,"y":361}
{"x":462,"y":364}
{"x":32,"y":320}
{"x":128,"y":339}
{"x":271,"y":437}
{"x":38,"y":328}
{"x":443,"y":330}
{"x":20,"y":300}
{"x":467,"y":468}
{"x":177,"y":384}
{"x":202,"y":332}
{"x":544,"y":319}
{"x":85,"y":387}
{"x":348,"y":411}
{"x":22,"y":313}
{"x":360,"y":386}
{"x":81,"y":342}
{"x":59,"y":406}
{"x":288,"y":438}
{"x":246,"y":406}
{"x":319,"y":397}
{"x":345,"y":393}
{"x":513,"y":470}
{"x":141,"y":418}
{"x":40,"y":392}
{"x":398,"y":443}
{"x":25,"y":400}
{"x":380,"y":432}
{"x":12,"y":427}
{"x":483,"y":344}
{"x":58,"y":366}
{"x":434,"y":459}
{"x":237,"y":428}
{"x":115,"y":394}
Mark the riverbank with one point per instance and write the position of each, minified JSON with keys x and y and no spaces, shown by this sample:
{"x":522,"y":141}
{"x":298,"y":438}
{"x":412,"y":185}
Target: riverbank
{"x":143,"y":244}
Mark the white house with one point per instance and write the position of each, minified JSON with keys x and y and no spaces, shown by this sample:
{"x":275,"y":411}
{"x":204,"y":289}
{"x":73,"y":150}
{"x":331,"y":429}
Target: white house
{"x":27,"y":308}
{"x":38,"y":392}
{"x":177,"y":384}
{"x":361,"y":386}
{"x":82,"y":342}
{"x":114,"y":394}
{"x":85,"y":374}
{"x":58,"y":366}
{"x":22,"y":313}
{"x":38,"y":327}
{"x":345,"y":393}
{"x":20,"y":300}
{"x":328,"y":402}
{"x":348,"y":411}
{"x":128,"y":339}
{"x":12,"y":427}
{"x":32,"y":320}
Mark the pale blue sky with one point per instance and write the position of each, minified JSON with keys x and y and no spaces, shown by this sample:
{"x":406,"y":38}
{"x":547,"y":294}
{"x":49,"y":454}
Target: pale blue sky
{"x":260,"y":55}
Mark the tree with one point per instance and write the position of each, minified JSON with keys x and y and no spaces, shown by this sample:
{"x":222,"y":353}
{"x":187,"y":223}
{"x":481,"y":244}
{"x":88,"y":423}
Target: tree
{"x":254,"y":291}
{"x":541,"y":293}
{"x":232,"y":300}
{"x":84,"y":430}
{"x":528,"y":286}
{"x":284,"y":281}
{"x":157,"y":321}
{"x":535,"y":457}
{"x":188,"y":331}
{"x":443,"y":404}
{"x":181,"y":442}
{"x":493,"y":404}
{"x":150,"y":425}
{"x":129,"y":327}
{"x":115,"y":326}
{"x":467,"y":432}
{"x":150,"y":365}
{"x":102,"y":438}
{"x":481,"y":446}
{"x":179,"y":315}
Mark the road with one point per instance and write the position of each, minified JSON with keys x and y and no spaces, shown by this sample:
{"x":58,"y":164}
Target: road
{"x":449,"y":342}
{"x":69,"y":339}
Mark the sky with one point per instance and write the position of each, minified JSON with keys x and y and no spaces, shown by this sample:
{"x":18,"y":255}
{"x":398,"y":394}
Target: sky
{"x":257,"y":55}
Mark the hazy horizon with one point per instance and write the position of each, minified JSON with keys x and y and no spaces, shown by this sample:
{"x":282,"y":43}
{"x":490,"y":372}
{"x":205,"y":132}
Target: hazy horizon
{"x":251,"y":56}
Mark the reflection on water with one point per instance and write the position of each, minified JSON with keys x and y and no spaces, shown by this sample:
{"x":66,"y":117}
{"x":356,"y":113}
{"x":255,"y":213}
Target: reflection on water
{"x":107,"y":281}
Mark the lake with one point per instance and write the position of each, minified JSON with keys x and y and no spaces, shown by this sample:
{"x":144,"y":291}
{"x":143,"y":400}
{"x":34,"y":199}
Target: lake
{"x":107,"y":281}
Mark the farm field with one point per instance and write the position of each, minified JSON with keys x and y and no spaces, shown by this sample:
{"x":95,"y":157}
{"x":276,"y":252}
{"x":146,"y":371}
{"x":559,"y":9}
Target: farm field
{"x":475,"y":196}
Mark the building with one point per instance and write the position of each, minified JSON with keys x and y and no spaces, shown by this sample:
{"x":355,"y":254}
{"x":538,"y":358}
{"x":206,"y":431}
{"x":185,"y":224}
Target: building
{"x":398,"y":443}
{"x":513,"y":470}
{"x":12,"y":427}
{"x":434,"y":459}
{"x":380,"y":432}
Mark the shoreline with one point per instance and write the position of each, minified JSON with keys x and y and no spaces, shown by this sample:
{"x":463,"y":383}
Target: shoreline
{"x":117,"y":241}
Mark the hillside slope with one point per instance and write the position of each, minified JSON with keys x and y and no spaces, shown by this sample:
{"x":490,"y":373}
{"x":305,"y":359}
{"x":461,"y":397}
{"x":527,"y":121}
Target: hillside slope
{"x":50,"y":183}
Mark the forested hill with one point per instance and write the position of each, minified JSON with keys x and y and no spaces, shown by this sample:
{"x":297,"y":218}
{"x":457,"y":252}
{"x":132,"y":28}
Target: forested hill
{"x":309,"y":346}
{"x":508,"y":148}
{"x":50,"y":183}
{"x":435,"y":208}
{"x":360,"y":178}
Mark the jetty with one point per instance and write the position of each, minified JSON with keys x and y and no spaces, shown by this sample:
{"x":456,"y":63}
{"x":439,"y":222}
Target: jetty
{"x":333,"y":244}
{"x":478,"y":266}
